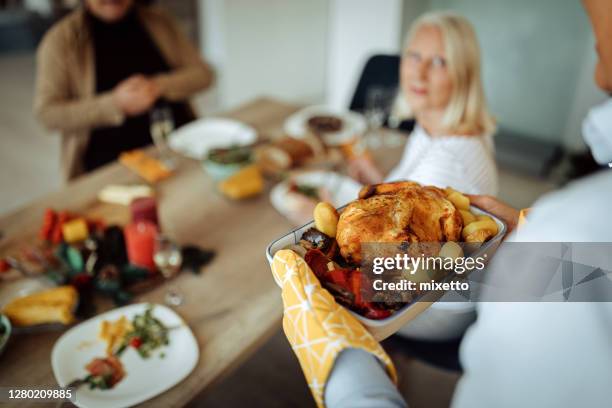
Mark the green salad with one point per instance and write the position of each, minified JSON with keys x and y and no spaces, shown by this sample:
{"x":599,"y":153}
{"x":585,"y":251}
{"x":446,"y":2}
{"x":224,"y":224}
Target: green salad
{"x":147,"y":335}
{"x":230,"y":155}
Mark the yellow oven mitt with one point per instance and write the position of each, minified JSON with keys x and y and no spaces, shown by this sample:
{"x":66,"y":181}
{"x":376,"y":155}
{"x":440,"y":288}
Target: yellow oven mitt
{"x":317,"y":327}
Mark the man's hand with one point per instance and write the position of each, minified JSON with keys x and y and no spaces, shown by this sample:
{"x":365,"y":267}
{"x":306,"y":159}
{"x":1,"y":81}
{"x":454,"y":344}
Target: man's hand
{"x":135,"y":95}
{"x":498,"y":208}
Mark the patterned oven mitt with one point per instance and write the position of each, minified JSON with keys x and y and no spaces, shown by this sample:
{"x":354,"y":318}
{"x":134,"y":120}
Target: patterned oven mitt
{"x":317,"y":327}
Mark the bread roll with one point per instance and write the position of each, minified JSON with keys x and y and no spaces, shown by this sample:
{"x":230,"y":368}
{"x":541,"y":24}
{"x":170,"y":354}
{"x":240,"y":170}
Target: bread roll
{"x":50,"y":306}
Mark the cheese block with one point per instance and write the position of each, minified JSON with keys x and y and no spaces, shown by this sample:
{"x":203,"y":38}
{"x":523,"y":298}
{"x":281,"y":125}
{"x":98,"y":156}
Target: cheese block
{"x":124,"y":194}
{"x":50,"y":306}
{"x":245,"y":183}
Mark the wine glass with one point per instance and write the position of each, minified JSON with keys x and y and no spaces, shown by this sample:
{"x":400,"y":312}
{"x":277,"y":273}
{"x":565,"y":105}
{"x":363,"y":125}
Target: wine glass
{"x":168,"y":260}
{"x":377,"y":107}
{"x":394,"y":120}
{"x":162,"y":124}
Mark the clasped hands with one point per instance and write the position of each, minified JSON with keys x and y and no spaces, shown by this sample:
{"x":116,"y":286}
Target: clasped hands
{"x":136,"y":94}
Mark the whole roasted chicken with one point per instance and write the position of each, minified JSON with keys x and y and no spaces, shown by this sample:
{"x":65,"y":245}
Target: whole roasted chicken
{"x":397,"y":212}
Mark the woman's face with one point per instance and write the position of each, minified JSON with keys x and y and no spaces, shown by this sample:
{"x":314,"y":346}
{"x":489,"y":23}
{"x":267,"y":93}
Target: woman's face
{"x":424,"y":76}
{"x":109,"y":10}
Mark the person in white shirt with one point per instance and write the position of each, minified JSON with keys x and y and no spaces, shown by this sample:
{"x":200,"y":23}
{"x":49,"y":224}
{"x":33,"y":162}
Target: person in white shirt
{"x":529,"y":354}
{"x":441,"y":88}
{"x":451,"y":145}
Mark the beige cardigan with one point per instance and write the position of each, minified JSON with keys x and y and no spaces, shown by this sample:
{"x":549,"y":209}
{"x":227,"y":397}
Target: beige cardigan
{"x":65,"y":98}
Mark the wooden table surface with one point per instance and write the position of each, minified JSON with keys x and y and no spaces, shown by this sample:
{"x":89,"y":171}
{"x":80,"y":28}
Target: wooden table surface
{"x":233,"y":306}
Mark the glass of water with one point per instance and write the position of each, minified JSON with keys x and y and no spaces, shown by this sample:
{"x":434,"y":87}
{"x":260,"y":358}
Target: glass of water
{"x":168,"y":260}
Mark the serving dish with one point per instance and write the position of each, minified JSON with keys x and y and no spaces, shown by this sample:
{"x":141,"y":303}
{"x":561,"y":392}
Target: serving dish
{"x":383,"y":328}
{"x":145,"y":378}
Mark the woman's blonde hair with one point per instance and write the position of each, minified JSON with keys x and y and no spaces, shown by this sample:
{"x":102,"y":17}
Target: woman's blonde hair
{"x":467,"y":111}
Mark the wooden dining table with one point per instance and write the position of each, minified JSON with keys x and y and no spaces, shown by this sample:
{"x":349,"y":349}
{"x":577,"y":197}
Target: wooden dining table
{"x":233,"y":306}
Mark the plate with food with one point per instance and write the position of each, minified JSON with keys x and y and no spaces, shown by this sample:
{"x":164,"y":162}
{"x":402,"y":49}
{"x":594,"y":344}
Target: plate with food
{"x":297,"y":196}
{"x":396,"y":213}
{"x":43,"y":309}
{"x":197,"y":138}
{"x":334,"y":126}
{"x":111,"y":358}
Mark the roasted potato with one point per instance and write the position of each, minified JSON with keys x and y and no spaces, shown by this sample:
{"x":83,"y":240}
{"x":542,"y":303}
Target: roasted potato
{"x":460,"y":201}
{"x":326,"y":218}
{"x":467,"y":217}
{"x":451,"y":250}
{"x":480,"y":230}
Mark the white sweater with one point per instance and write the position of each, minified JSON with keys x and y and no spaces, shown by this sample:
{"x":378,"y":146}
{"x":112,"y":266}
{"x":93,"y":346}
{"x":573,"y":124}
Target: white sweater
{"x":465,"y":163}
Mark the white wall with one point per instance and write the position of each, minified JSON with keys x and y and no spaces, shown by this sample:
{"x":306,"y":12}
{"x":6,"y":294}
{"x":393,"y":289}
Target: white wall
{"x":357,"y":30}
{"x":586,"y":95}
{"x":266,"y":47}
{"x":537,"y":55}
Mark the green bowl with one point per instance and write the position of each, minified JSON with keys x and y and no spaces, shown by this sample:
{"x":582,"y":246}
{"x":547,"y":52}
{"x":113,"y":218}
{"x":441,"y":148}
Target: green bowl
{"x":4,"y":337}
{"x":219,"y":172}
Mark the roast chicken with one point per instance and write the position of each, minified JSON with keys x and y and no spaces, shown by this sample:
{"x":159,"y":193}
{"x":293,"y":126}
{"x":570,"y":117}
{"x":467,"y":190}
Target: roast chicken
{"x":397,"y":212}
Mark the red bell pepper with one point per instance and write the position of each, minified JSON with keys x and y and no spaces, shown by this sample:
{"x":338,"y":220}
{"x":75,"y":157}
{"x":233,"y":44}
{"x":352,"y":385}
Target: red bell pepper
{"x":49,"y":221}
{"x":349,"y":279}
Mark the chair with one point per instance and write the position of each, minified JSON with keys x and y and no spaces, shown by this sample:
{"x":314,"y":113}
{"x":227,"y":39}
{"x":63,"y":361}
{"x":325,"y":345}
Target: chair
{"x":379,"y":71}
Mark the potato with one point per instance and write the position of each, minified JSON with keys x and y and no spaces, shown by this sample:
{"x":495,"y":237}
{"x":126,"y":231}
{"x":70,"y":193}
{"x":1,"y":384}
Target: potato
{"x":326,"y":218}
{"x":479,"y":231}
{"x":460,"y":201}
{"x":451,"y":250}
{"x":467,"y":217}
{"x":483,"y":217}
{"x":449,"y":190}
{"x":479,"y":236}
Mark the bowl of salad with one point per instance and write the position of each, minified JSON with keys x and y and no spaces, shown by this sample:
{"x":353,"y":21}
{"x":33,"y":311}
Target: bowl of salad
{"x":220,"y":163}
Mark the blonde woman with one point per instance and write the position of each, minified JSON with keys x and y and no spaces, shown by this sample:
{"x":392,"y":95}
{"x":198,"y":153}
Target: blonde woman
{"x":441,"y":88}
{"x":451,"y":144}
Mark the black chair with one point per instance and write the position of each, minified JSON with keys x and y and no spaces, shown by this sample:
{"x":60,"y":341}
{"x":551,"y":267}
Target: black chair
{"x":379,"y":71}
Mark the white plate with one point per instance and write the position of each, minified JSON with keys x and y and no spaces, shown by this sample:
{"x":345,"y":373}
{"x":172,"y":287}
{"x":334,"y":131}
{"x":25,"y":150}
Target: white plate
{"x":341,"y":188}
{"x":353,"y":124}
{"x":195,"y":139}
{"x":144,"y":379}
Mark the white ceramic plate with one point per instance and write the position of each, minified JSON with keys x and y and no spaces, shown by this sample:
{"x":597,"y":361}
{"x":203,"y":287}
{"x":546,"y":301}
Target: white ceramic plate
{"x":145,"y":378}
{"x":341,"y":188}
{"x":353,"y":124}
{"x":195,"y":139}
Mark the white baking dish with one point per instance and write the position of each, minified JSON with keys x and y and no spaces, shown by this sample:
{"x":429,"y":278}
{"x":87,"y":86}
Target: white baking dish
{"x":383,"y":328}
